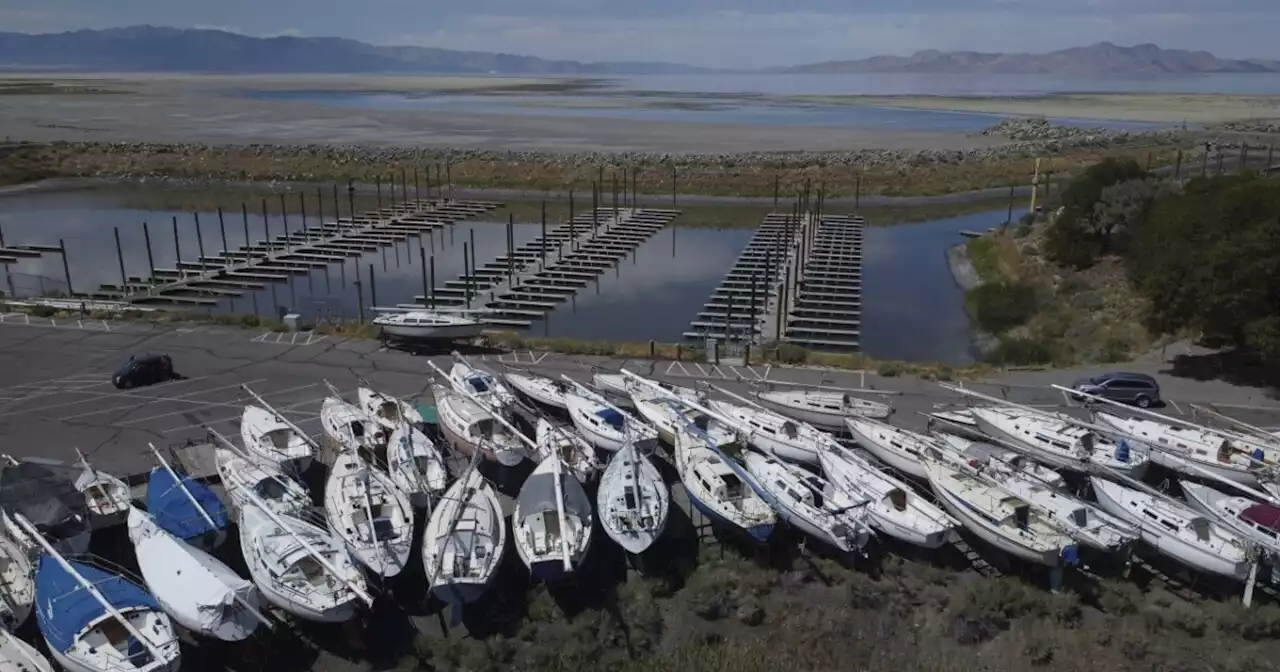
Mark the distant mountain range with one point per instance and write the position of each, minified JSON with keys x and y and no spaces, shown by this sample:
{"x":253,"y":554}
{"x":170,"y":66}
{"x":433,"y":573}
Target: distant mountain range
{"x":1103,"y":58}
{"x":157,"y":49}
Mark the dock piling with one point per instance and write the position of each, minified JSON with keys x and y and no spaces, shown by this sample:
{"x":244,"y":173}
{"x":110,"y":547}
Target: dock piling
{"x":448,"y":173}
{"x":422,"y":256}
{"x":359,"y":297}
{"x":199,"y":242}
{"x":615,"y":199}
{"x":124,"y":280}
{"x":302,"y":207}
{"x":66,"y":267}
{"x":351,"y":203}
{"x":151,"y":261}
{"x":417,"y":194}
{"x":543,"y":237}
{"x":284,"y":218}
{"x":244,"y":214}
{"x":266,"y":228}
{"x":472,"y":233}
{"x":431,"y":272}
{"x":177,"y":246}
{"x":404,"y":185}
{"x":377,"y":183}
{"x":373,"y":287}
{"x":511,"y":261}
{"x":466,"y":275}
{"x":222,"y":231}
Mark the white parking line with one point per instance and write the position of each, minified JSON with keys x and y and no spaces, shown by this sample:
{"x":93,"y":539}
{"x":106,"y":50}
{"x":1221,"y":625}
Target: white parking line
{"x":1175,"y":406}
{"x":96,"y":397}
{"x":290,"y":410}
{"x":77,"y":378}
{"x":238,"y":402}
{"x":180,"y":398}
{"x":50,"y":391}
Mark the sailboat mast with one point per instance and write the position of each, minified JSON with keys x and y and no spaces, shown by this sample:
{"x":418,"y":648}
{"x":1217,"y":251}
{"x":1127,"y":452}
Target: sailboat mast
{"x":86,"y":585}
{"x":459,"y":509}
{"x":275,"y":476}
{"x":178,"y":481}
{"x":565,"y":548}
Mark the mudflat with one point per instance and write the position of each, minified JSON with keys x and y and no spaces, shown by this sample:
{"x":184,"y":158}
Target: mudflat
{"x":198,"y":109}
{"x":1171,"y":108}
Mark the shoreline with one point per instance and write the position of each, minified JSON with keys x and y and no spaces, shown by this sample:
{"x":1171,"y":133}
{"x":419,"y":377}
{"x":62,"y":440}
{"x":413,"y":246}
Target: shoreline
{"x":966,"y":277}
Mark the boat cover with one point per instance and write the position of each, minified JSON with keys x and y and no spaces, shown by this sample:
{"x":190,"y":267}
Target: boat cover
{"x":64,"y":608}
{"x":185,"y":576}
{"x":538,"y":495}
{"x":612,"y":417}
{"x":173,"y":510}
{"x":46,"y":498}
{"x":1263,"y":516}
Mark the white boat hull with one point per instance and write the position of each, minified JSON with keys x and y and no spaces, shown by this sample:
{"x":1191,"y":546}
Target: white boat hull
{"x":1172,"y":546}
{"x":19,"y":656}
{"x":896,"y":460}
{"x":635,"y":539}
{"x":447,"y":332}
{"x":843,"y":474}
{"x":961,"y":511}
{"x":1044,"y":457}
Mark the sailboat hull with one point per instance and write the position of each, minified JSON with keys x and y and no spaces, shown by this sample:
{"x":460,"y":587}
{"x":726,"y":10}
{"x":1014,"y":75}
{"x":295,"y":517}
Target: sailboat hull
{"x":902,"y":463}
{"x":760,"y":533}
{"x":1172,"y":546}
{"x":1042,"y":456}
{"x":956,"y":507}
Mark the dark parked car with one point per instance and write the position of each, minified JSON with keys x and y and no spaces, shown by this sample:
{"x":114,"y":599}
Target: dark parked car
{"x":143,"y":369}
{"x":1128,"y":388}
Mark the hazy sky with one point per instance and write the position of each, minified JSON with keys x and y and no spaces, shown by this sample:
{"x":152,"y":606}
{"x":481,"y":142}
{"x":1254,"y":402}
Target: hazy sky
{"x":732,"y":33}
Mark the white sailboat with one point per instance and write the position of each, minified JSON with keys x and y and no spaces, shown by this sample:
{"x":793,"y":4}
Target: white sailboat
{"x":1080,"y":520}
{"x":368,"y":512}
{"x":822,"y":409}
{"x":720,"y":492}
{"x":469,"y":428}
{"x":428,"y":325}
{"x":983,"y":453}
{"x":632,"y":500}
{"x":901,"y":449}
{"x":268,"y":439}
{"x":551,"y":522}
{"x":467,"y":379}
{"x":799,"y":499}
{"x":197,"y":590}
{"x":603,"y":425}
{"x":955,"y":421}
{"x":895,"y":509}
{"x":299,"y":567}
{"x":1221,"y":455}
{"x":388,"y":411}
{"x":240,"y":476}
{"x":350,"y":427}
{"x":17,"y":591}
{"x":1058,"y":442}
{"x":94,"y":621}
{"x":415,"y":465}
{"x":19,"y":656}
{"x":575,"y":452}
{"x":669,"y":417}
{"x":620,"y":385}
{"x":771,"y":432}
{"x":104,"y":494}
{"x":1176,"y":530}
{"x":543,"y":390}
{"x":1259,"y":523}
{"x":463,"y":543}
{"x":999,"y":518}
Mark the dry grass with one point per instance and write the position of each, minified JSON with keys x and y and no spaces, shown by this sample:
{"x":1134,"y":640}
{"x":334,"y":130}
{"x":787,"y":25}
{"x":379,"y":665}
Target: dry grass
{"x":924,"y":178}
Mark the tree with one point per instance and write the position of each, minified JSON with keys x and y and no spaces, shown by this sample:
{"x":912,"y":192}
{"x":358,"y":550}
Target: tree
{"x":1209,"y":259}
{"x":1108,"y":196}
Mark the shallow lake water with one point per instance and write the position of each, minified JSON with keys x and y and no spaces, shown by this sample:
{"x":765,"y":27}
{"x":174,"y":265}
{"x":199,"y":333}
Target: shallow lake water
{"x":913,"y":309}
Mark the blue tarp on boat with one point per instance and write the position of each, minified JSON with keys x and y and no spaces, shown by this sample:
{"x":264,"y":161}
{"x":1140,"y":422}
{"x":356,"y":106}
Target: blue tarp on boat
{"x":64,"y":607}
{"x":173,"y":510}
{"x":612,"y":417}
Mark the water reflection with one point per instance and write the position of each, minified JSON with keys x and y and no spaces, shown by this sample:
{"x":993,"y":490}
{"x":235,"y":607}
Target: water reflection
{"x":912,"y":308}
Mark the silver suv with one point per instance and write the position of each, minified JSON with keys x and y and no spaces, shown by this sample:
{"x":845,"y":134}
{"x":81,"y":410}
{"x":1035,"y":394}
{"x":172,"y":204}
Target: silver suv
{"x":1127,"y":388}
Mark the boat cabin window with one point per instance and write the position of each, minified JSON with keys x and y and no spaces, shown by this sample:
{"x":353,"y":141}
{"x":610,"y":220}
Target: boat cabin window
{"x":485,"y":428}
{"x":629,"y":497}
{"x":789,"y":428}
{"x":1022,"y":516}
{"x":1224,"y":452}
{"x":357,"y":429}
{"x":478,"y":384}
{"x":1080,"y":517}
{"x":1086,"y":442}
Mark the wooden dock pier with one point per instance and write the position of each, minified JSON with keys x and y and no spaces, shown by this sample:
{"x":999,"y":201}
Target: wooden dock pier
{"x":532,"y":279}
{"x":738,"y":307}
{"x":821,"y":304}
{"x":210,"y":279}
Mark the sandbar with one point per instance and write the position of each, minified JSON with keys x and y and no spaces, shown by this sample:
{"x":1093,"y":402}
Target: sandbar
{"x":1171,"y":108}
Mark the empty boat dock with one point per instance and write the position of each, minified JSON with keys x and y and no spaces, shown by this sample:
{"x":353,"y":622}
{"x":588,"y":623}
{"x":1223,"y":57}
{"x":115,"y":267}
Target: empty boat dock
{"x":821,"y":304}
{"x":736,"y":307}
{"x":532,"y":279}
{"x":277,"y":258}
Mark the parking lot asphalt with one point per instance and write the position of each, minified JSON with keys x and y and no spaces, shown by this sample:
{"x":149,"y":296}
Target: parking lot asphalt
{"x":56,"y":395}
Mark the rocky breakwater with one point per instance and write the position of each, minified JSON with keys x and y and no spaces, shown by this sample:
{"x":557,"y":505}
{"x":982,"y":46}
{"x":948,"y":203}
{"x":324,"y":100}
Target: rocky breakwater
{"x":1037,"y":130}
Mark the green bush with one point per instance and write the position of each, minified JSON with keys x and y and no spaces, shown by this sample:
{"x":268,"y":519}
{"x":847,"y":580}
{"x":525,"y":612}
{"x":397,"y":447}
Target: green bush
{"x":1000,"y":306}
{"x":1018,"y":351}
